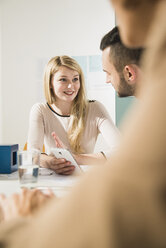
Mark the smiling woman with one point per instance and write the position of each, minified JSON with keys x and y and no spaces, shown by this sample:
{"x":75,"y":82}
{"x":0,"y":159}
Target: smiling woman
{"x":64,"y":88}
{"x":65,"y":84}
{"x":75,"y":121}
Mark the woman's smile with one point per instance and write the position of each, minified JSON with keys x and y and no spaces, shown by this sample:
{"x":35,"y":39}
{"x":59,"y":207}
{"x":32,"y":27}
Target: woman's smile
{"x":69,"y":92}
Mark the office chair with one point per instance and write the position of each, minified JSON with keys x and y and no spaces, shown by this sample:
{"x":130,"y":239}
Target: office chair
{"x":25,"y":148}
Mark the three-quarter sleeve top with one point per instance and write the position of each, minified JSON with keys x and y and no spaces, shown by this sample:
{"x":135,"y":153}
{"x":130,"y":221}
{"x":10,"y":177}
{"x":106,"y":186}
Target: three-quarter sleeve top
{"x":44,"y":120}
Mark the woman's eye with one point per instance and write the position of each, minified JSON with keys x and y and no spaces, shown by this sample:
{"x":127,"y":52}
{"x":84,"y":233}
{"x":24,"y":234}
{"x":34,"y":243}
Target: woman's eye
{"x":62,"y":79}
{"x":75,"y":79}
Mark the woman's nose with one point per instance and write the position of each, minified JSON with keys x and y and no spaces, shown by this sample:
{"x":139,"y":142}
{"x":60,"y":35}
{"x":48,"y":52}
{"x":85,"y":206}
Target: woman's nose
{"x":69,"y":85}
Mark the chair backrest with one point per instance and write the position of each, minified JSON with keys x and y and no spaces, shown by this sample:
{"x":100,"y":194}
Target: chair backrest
{"x":25,"y":147}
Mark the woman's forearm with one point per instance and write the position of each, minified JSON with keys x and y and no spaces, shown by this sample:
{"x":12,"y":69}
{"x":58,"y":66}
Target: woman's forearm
{"x":90,"y":159}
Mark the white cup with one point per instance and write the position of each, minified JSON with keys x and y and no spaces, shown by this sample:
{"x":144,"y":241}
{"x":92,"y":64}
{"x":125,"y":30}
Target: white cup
{"x":28,"y":167}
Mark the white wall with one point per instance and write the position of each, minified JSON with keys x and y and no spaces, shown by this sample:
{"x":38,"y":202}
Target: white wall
{"x":34,"y":30}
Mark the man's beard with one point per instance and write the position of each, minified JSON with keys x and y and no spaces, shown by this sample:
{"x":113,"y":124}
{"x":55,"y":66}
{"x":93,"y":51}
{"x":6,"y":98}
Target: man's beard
{"x":125,"y":89}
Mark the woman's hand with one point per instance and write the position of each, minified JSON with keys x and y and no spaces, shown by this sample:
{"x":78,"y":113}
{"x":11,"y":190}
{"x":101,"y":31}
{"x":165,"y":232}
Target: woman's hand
{"x":58,"y":141}
{"x":59,"y":165}
{"x":23,"y":204}
{"x":83,"y":159}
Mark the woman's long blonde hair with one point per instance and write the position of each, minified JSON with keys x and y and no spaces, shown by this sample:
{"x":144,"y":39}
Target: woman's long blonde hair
{"x":79,"y":107}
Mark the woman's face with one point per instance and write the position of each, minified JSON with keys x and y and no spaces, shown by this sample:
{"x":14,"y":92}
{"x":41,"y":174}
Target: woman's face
{"x":65,"y":84}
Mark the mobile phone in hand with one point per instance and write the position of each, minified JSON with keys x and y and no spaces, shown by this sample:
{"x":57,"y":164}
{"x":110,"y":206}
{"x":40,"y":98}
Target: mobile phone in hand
{"x":64,"y":153}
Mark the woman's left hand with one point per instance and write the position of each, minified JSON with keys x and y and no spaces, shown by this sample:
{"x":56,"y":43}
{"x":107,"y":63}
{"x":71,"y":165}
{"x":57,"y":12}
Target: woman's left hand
{"x":58,"y":142}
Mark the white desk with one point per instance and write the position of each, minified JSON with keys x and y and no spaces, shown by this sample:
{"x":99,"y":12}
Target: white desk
{"x":60,"y":185}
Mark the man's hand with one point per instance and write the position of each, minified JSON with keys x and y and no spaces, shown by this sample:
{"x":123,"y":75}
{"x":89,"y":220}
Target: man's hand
{"x":23,"y":204}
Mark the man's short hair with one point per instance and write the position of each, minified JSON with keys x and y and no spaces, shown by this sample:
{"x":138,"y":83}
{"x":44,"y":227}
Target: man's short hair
{"x":119,"y":54}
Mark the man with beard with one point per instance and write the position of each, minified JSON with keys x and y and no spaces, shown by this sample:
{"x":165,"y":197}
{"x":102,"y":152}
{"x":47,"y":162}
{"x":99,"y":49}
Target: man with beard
{"x":124,"y":204}
{"x":121,"y":64}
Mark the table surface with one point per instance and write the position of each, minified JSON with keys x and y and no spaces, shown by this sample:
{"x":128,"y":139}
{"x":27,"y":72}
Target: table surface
{"x":60,"y":184}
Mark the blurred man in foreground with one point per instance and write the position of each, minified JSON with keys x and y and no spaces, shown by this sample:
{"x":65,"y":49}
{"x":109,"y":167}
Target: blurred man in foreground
{"x":123,"y":205}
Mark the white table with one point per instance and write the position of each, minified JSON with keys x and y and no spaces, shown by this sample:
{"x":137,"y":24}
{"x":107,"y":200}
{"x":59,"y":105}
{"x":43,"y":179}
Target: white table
{"x":60,"y":185}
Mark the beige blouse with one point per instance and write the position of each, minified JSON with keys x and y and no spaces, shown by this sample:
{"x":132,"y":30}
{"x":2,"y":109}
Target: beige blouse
{"x":44,"y":120}
{"x":123,"y":205}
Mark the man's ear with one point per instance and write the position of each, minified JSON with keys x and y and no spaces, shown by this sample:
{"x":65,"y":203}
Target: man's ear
{"x":130,"y":73}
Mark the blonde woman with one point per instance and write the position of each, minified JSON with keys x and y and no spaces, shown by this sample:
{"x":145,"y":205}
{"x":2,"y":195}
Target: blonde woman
{"x":69,"y":118}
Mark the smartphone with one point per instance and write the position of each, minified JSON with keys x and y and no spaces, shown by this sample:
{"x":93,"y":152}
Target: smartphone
{"x":64,"y":153}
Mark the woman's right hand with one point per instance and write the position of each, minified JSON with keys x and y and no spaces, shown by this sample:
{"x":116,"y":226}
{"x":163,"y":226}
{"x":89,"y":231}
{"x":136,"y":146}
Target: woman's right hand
{"x":59,"y":165}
